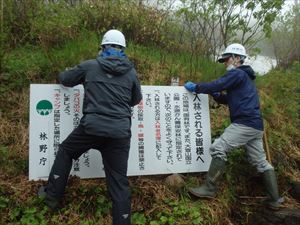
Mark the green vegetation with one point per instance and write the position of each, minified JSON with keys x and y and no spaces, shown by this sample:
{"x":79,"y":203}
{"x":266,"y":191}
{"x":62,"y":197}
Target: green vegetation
{"x":36,"y":43}
{"x":280,"y":106}
{"x":285,"y":37}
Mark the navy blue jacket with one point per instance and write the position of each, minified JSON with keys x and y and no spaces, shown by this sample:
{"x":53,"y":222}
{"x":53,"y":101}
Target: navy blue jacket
{"x":237,"y":89}
{"x":111,"y":88}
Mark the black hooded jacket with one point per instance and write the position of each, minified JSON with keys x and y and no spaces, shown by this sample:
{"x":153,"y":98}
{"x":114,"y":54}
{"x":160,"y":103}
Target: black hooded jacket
{"x":111,"y":88}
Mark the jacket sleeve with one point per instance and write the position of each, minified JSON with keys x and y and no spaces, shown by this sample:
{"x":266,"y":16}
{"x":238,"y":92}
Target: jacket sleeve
{"x":136,"y":93}
{"x":72,"y":77}
{"x":226,"y":82}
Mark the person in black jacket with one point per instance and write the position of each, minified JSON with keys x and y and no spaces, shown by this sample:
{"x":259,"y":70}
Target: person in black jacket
{"x":111,"y":88}
{"x":237,"y":90}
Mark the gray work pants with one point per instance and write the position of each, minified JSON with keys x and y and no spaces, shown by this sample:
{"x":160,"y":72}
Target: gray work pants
{"x":237,"y":135}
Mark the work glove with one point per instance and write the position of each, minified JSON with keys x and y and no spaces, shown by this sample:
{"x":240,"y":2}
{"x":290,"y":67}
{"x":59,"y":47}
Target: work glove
{"x":190,"y":86}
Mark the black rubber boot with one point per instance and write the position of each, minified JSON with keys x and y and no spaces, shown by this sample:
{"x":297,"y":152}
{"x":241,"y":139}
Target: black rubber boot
{"x":209,"y":188}
{"x":51,"y":202}
{"x":54,"y":190}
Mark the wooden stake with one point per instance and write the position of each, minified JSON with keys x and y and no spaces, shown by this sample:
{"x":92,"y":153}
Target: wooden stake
{"x":267,"y":147}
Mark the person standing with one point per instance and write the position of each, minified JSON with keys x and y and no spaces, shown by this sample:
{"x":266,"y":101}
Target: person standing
{"x":111,"y":88}
{"x":236,"y":88}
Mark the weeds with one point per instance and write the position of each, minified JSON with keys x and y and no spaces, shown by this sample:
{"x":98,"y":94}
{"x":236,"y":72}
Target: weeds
{"x":41,"y":44}
{"x":174,"y":212}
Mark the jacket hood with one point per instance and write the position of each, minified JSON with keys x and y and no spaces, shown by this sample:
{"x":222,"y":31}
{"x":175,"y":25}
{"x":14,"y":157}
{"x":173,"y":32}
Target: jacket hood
{"x":116,"y":66}
{"x":248,"y":70}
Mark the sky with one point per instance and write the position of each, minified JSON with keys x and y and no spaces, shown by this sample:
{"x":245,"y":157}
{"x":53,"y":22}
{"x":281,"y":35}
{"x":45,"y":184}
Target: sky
{"x":287,"y":5}
{"x":260,"y":63}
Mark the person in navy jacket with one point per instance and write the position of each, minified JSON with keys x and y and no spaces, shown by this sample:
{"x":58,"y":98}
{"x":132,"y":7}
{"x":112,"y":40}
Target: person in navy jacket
{"x":236,"y":88}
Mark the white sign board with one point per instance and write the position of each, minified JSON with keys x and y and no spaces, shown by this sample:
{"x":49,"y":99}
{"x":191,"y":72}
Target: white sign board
{"x":170,"y":131}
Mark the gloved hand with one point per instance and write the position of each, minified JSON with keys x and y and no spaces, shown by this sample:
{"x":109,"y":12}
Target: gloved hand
{"x":190,"y":86}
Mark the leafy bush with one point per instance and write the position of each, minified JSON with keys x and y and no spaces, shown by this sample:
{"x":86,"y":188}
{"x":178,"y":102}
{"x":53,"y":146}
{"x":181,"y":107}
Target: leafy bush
{"x":175,"y":212}
{"x":55,"y":24}
{"x":280,"y":97}
{"x":285,"y":37}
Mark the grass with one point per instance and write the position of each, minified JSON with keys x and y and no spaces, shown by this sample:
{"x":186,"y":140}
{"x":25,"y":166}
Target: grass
{"x":86,"y":201}
{"x":280,"y":98}
{"x":32,"y":64}
{"x":156,"y":64}
{"x":153,"y":202}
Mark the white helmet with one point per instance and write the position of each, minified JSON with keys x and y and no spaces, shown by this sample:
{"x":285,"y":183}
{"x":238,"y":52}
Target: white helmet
{"x":114,"y":37}
{"x":233,"y":49}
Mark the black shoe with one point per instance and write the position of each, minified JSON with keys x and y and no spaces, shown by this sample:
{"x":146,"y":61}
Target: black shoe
{"x":51,"y":202}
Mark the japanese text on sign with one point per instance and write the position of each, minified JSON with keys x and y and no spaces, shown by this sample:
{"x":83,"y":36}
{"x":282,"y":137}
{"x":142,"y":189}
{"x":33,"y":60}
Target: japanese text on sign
{"x":170,"y":131}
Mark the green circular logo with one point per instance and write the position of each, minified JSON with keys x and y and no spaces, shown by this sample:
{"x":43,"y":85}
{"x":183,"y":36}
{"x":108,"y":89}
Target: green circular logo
{"x":44,"y":107}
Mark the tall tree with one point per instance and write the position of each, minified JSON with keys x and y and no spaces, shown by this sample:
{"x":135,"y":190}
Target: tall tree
{"x":285,"y":37}
{"x":219,"y":22}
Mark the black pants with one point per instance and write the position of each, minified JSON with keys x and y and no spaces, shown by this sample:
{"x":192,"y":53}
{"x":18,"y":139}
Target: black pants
{"x":115,"y":157}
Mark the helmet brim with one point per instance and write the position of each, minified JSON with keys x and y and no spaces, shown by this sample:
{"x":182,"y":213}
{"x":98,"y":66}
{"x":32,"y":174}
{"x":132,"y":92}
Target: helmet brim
{"x":223,"y":58}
